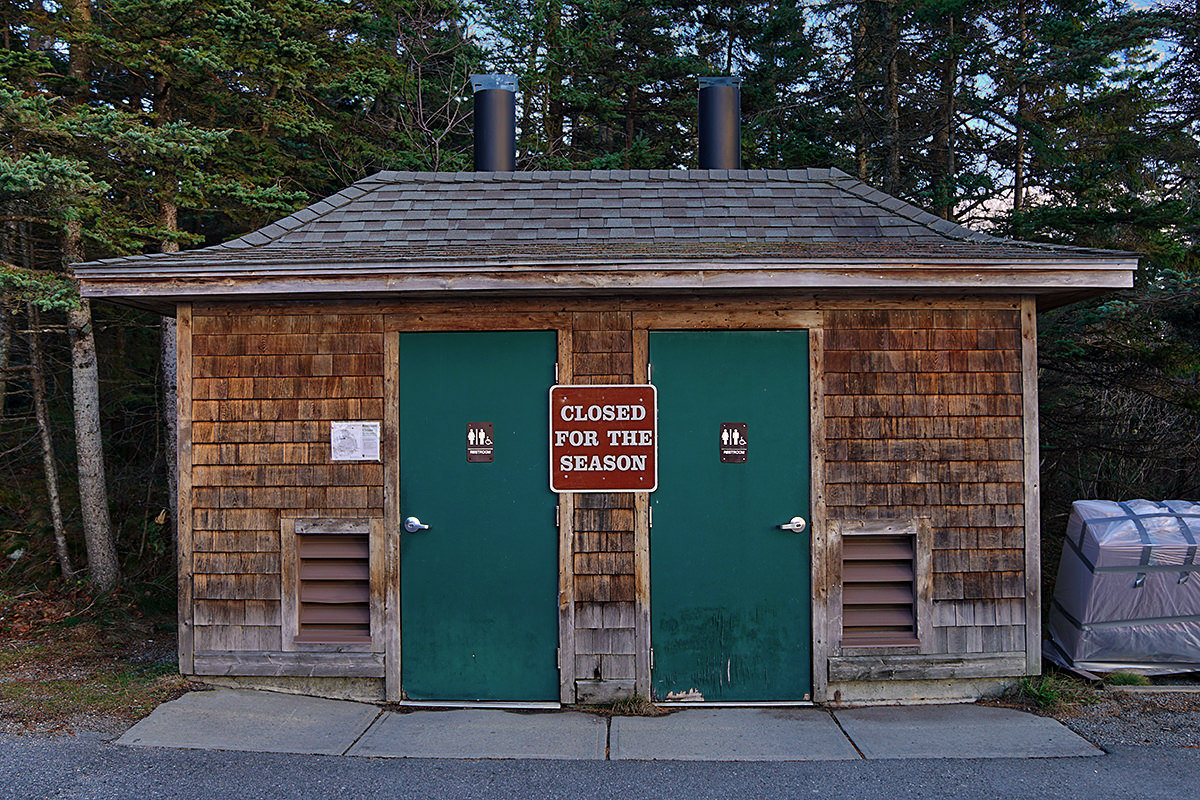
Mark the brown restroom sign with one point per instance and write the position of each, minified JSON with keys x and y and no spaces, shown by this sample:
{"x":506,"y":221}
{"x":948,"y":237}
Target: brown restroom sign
{"x":604,"y":438}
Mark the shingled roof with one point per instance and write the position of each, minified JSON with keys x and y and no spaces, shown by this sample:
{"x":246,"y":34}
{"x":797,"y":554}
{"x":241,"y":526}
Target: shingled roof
{"x":668,"y":229}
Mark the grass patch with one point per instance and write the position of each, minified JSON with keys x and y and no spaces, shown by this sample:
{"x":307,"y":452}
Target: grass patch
{"x":1126,"y":679}
{"x":635,"y":706}
{"x":1051,"y":692}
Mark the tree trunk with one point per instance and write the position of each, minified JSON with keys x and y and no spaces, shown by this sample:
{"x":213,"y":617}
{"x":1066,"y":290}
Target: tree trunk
{"x":553,"y":121}
{"x":169,"y":220}
{"x":891,"y":179}
{"x":103,"y":568}
{"x":1022,"y":111}
{"x":530,"y":140}
{"x":5,"y":345}
{"x":859,"y":77}
{"x":943,"y":135}
{"x":49,"y":465}
{"x":170,"y":418}
{"x":79,"y":60}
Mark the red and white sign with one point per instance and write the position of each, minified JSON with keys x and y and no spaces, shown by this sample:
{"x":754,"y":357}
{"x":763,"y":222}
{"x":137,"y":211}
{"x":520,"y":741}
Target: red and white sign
{"x":604,"y":438}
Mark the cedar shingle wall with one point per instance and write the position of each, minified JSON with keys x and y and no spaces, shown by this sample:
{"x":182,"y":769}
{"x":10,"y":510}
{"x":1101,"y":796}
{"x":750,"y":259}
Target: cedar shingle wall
{"x":923,"y":418}
{"x":265,"y":388}
{"x":604,"y":577}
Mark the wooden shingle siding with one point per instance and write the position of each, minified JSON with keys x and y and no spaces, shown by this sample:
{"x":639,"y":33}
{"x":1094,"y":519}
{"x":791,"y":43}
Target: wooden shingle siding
{"x":265,"y":386}
{"x":923,"y":418}
{"x":605,"y":587}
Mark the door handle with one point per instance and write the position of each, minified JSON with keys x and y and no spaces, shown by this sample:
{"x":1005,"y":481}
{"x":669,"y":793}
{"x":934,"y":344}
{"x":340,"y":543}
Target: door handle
{"x":795,"y":525}
{"x":412,"y":525}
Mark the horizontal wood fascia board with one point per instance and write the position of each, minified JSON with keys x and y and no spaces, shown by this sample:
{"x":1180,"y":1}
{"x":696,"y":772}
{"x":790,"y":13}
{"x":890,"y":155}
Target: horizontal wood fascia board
{"x":1029,"y":281}
{"x":289,"y":268}
{"x":294,"y":664}
{"x":925,"y":667}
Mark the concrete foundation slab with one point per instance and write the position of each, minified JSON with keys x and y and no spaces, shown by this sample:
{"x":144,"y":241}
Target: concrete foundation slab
{"x":266,"y":722}
{"x":485,"y":733}
{"x":959,"y":731}
{"x":731,"y":734}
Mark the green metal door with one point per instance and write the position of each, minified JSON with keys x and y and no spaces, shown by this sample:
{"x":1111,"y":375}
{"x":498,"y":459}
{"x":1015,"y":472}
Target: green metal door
{"x":479,"y":589}
{"x":729,"y":591}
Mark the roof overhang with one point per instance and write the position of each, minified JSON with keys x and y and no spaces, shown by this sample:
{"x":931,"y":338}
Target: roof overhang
{"x":160,"y":289}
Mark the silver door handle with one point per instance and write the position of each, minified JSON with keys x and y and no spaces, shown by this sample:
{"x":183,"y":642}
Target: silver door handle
{"x":795,"y":525}
{"x":412,"y":525}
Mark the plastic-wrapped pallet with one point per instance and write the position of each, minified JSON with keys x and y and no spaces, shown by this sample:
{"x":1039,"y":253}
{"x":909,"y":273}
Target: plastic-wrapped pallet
{"x":1128,"y":593}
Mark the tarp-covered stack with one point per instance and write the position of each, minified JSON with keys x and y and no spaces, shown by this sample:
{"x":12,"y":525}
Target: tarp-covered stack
{"x":1128,"y":593}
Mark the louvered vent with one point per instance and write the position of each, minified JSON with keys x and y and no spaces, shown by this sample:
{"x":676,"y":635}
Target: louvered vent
{"x":334,"y":576}
{"x":878,"y":590}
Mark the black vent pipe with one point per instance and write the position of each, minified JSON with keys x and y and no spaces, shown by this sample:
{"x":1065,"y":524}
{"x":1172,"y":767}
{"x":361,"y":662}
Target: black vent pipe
{"x":495,"y":122}
{"x":720,"y":123}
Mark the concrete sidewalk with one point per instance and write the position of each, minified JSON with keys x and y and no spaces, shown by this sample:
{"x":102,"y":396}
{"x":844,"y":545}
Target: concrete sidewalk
{"x":228,"y":719}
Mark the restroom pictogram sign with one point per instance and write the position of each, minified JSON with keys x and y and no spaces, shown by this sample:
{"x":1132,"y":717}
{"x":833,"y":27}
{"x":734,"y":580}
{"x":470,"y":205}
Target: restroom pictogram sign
{"x":604,"y":438}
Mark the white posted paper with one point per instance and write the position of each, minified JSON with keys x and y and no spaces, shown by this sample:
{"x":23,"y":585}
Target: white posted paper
{"x":354,"y":441}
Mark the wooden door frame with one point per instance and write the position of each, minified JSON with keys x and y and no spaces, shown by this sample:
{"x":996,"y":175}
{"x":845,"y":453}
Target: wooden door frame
{"x":814,"y":323}
{"x":456,"y":322}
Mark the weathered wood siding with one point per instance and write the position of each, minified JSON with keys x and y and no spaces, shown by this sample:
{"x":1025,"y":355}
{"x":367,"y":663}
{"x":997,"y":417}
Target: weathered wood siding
{"x":924,"y":419}
{"x":922,"y":413}
{"x":604,"y":523}
{"x":265,"y":386}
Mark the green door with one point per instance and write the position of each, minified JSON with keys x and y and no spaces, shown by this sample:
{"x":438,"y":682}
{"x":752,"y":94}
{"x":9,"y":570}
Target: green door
{"x":730,"y":591}
{"x":479,"y":588}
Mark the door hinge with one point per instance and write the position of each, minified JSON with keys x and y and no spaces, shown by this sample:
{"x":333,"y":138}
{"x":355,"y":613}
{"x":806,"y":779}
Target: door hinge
{"x":649,"y":372}
{"x":556,"y":373}
{"x":558,"y":516}
{"x":558,"y":657}
{"x":651,"y":516}
{"x":651,"y":658}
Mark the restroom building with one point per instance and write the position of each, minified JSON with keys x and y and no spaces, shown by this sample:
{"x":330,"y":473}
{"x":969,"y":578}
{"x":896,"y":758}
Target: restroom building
{"x":704,"y":436}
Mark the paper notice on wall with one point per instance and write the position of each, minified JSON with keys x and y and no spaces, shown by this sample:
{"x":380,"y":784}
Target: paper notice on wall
{"x":354,"y":441}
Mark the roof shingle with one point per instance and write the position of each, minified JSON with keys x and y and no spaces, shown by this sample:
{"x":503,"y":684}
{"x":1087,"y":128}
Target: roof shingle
{"x":401,"y":220}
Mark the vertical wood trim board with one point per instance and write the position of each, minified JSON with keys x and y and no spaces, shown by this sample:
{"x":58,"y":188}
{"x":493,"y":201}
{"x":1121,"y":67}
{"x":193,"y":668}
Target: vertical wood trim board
{"x":566,"y":549}
{"x":818,"y":530}
{"x":378,"y":582}
{"x":833,"y":573}
{"x":1033,"y":538}
{"x":923,"y":583}
{"x":641,"y":543}
{"x":289,"y":604}
{"x":183,"y":322}
{"x":391,"y":515}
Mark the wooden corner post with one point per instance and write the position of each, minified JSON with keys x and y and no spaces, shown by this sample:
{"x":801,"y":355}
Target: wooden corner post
{"x":1033,"y":506}
{"x":566,"y":550}
{"x":819,"y":531}
{"x":641,"y":542}
{"x":391,"y":515}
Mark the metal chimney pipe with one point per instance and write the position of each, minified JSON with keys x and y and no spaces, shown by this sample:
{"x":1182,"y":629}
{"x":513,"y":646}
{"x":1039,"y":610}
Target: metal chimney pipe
{"x":495,"y":122}
{"x":720,"y":123}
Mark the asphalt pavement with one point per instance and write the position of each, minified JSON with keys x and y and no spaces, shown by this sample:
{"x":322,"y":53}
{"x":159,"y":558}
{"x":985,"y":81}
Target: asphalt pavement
{"x":86,"y":767}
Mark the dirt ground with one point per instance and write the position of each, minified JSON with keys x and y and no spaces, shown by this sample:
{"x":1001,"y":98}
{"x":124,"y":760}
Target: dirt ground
{"x":70,"y":662}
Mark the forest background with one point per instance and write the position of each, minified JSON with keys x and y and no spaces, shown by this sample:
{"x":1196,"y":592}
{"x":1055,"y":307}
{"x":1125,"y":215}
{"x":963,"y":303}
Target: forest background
{"x":132,"y":126}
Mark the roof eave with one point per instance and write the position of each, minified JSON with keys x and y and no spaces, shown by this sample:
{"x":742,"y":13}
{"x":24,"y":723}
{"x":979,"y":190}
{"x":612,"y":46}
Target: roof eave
{"x":1035,"y":277}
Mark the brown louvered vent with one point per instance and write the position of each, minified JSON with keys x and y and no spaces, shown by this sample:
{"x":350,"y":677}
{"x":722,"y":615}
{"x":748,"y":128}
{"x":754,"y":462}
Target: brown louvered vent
{"x":878,"y":590}
{"x":334,"y":576}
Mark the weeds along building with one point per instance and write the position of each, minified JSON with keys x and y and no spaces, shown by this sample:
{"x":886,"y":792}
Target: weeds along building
{"x":711,"y":435}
